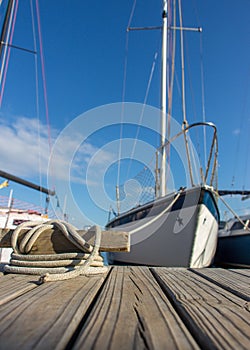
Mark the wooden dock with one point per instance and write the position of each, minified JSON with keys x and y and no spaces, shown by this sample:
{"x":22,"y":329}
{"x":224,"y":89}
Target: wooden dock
{"x":128,"y":308}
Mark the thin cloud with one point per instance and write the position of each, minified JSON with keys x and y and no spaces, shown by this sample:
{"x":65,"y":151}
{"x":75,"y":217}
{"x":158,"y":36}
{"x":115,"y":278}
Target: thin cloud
{"x":25,"y":151}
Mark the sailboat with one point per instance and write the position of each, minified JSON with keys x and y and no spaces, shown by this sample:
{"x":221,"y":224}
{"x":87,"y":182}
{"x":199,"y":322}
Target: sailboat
{"x":179,"y":228}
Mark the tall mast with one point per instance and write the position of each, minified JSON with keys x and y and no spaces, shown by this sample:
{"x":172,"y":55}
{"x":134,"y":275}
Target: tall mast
{"x":5,"y":26}
{"x":163,"y":99}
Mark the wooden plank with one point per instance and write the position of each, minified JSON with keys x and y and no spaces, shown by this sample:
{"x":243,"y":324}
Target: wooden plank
{"x":53,"y":241}
{"x":47,"y":317}
{"x":133,"y":313}
{"x":12,"y":286}
{"x":216,"y":318}
{"x":232,"y":280}
{"x":111,"y":241}
{"x":244,"y":272}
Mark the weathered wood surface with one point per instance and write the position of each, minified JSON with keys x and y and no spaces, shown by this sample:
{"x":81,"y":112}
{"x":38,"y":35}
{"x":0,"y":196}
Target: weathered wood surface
{"x":234,"y":281}
{"x":217,"y":318}
{"x":47,"y":317}
{"x":53,"y":241}
{"x":12,"y":286}
{"x":128,"y":308}
{"x":133,"y":313}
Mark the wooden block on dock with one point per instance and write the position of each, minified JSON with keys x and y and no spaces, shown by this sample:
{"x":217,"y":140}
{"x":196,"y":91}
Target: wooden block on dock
{"x":53,"y":241}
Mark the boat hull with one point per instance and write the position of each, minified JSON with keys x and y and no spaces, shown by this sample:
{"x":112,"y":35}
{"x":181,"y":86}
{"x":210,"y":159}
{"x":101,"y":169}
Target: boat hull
{"x":233,"y":251}
{"x":183,"y":236}
{"x":10,"y":219}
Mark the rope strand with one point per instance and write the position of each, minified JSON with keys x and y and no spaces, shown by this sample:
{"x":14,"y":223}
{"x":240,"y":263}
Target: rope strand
{"x":54,"y":267}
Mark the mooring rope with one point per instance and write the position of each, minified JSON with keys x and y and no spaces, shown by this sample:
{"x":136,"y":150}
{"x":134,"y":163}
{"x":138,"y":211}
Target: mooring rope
{"x":155,"y":218}
{"x":232,"y":211}
{"x":54,"y":267}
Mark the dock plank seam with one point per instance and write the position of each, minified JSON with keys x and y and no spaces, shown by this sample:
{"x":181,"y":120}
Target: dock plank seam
{"x":86,"y":315}
{"x":198,"y":312}
{"x":15,"y":286}
{"x":222,"y":285}
{"x":242,"y":272}
{"x":133,"y":313}
{"x":206,"y":345}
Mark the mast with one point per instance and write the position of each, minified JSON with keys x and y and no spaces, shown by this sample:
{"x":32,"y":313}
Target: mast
{"x":163,"y":99}
{"x":5,"y":26}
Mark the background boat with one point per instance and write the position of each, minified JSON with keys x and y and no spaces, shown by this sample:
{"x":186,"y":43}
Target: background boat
{"x":233,"y":248}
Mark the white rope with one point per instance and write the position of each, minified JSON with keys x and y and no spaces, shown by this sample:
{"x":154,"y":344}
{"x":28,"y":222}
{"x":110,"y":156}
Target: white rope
{"x":158,"y":216}
{"x":54,"y":267}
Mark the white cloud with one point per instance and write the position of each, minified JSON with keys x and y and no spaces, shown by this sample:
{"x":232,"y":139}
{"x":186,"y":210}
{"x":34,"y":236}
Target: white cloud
{"x":25,"y":151}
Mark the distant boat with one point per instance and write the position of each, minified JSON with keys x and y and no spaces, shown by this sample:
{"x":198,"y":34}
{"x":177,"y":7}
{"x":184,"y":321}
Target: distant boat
{"x":179,"y":228}
{"x":14,"y":212}
{"x":234,"y":243}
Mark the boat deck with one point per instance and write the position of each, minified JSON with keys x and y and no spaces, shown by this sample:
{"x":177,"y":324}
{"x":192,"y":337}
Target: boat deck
{"x":128,"y":308}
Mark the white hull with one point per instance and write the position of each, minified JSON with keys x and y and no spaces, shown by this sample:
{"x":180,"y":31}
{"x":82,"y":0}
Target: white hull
{"x":9,"y":219}
{"x":182,"y":237}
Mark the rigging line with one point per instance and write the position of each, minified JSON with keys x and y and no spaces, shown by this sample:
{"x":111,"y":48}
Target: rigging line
{"x":231,"y":210}
{"x":202,"y":82}
{"x":182,"y":66}
{"x":202,"y":89}
{"x":183,"y":93}
{"x":37,"y":98}
{"x":123,"y":93}
{"x":45,"y":94}
{"x":5,"y":25}
{"x":43,"y":75}
{"x":142,"y":111}
{"x":203,"y":99}
{"x":192,"y":156}
{"x":171,"y":85}
{"x":245,"y":172}
{"x":5,"y":28}
{"x":7,"y":49}
{"x":192,"y":95}
{"x":239,"y":136}
{"x":191,"y":90}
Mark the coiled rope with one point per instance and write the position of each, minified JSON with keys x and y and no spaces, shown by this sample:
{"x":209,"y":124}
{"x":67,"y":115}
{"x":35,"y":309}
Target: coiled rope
{"x":54,"y":267}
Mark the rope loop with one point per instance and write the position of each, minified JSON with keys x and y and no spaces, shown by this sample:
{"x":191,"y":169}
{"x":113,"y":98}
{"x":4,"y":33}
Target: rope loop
{"x":54,"y":267}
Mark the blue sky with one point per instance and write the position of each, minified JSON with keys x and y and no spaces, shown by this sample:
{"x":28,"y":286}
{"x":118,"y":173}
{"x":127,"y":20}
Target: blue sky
{"x":84,"y":53}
